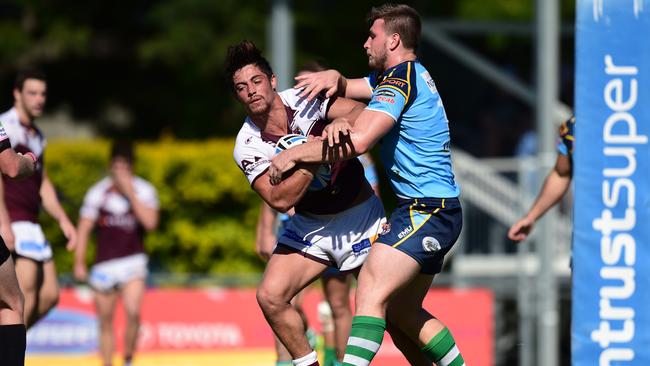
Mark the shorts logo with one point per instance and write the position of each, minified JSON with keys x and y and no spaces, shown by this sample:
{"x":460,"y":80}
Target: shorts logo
{"x":430,"y":244}
{"x":405,"y":232}
{"x":385,"y":228}
{"x":358,"y":247}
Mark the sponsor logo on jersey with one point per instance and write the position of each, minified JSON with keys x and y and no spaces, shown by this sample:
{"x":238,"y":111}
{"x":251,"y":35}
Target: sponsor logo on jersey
{"x":429,"y":81}
{"x":127,"y":221}
{"x":430,"y":244}
{"x":405,"y":232}
{"x":386,"y":93}
{"x":397,"y":82}
{"x":381,"y":98}
{"x":249,"y":166}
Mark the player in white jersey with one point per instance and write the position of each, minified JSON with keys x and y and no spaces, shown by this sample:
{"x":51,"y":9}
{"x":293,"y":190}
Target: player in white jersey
{"x":12,"y":327}
{"x":336,"y":218}
{"x":123,"y":207}
{"x":22,"y":201}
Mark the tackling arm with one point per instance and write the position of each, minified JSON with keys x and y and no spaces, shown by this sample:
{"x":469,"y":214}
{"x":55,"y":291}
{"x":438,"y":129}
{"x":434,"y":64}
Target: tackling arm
{"x":369,"y":127}
{"x":282,"y":197}
{"x":334,"y":84}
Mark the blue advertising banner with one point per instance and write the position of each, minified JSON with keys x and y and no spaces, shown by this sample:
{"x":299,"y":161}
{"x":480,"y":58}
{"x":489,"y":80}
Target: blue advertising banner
{"x":611,"y":258}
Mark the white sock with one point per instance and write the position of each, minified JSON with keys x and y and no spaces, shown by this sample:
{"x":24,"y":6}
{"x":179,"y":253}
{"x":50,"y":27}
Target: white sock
{"x":306,"y":360}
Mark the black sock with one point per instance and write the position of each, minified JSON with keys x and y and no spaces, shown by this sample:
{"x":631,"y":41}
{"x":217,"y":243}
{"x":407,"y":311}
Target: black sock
{"x":12,"y":344}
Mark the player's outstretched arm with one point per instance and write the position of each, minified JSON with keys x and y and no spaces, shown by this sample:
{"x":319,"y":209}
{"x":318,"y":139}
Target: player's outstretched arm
{"x":332,"y":83}
{"x":368,"y":129}
{"x":555,"y":186}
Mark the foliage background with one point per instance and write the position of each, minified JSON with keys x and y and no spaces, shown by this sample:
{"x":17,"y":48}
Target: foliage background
{"x":207,"y":206}
{"x":152,"y":70}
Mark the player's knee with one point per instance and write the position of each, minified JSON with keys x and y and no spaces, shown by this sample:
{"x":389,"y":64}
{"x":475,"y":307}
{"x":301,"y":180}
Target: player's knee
{"x":105,"y":320}
{"x":133,"y":317}
{"x":340,"y":307}
{"x":269,"y":301}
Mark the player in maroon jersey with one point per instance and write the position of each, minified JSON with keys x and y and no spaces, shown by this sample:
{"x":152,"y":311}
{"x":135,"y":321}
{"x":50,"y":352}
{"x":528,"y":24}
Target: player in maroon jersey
{"x":21,"y":201}
{"x":123,"y":207}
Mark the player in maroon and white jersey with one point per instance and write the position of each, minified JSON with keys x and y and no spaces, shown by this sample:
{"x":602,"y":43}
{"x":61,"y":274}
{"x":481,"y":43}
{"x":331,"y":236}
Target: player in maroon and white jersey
{"x":22,"y":200}
{"x":12,"y":327}
{"x":307,"y":246}
{"x":123,"y":207}
{"x":333,"y":225}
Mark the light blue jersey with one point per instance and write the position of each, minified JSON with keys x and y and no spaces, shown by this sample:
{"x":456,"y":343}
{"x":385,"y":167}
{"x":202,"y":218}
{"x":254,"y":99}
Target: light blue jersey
{"x":416,"y":151}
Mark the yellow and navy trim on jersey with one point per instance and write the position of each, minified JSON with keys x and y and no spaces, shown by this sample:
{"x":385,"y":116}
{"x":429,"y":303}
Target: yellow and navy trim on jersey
{"x":566,"y":136}
{"x":400,"y":78}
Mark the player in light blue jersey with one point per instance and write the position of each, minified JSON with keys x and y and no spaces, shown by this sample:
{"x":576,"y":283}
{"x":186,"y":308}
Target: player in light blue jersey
{"x":407,"y":114}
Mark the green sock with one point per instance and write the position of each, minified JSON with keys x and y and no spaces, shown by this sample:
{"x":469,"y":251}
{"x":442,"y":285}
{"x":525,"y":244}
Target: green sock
{"x":284,"y":363}
{"x":330,"y":356}
{"x":442,"y":350}
{"x":366,"y":336}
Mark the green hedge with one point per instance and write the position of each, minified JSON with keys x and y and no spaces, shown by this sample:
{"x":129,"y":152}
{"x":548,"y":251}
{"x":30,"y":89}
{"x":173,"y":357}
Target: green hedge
{"x":208,"y":210}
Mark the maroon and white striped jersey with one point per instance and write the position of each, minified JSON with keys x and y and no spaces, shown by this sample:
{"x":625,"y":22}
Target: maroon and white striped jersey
{"x":255,"y":148}
{"x":23,"y":198}
{"x":119,"y":233}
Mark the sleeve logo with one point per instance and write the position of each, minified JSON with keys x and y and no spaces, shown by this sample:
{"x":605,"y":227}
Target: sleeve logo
{"x":249,"y":166}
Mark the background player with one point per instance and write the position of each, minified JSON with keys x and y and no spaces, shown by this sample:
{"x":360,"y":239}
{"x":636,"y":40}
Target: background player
{"x":12,"y":326}
{"x":123,"y":206}
{"x":555,"y":186}
{"x":19,"y":210}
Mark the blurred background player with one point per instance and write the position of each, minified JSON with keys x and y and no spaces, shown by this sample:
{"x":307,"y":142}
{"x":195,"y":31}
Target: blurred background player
{"x":123,"y":206}
{"x":555,"y":186}
{"x":21,"y":202}
{"x":12,"y":326}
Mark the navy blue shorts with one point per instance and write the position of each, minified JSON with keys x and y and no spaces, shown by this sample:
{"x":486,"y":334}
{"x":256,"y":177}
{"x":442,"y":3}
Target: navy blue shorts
{"x":425,"y":229}
{"x":334,"y":272}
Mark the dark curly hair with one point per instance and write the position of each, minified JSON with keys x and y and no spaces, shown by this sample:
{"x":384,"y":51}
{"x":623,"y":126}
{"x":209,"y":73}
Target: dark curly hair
{"x":241,"y":55}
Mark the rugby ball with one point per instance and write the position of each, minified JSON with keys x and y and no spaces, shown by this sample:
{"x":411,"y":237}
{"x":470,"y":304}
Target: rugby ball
{"x":322,"y":176}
